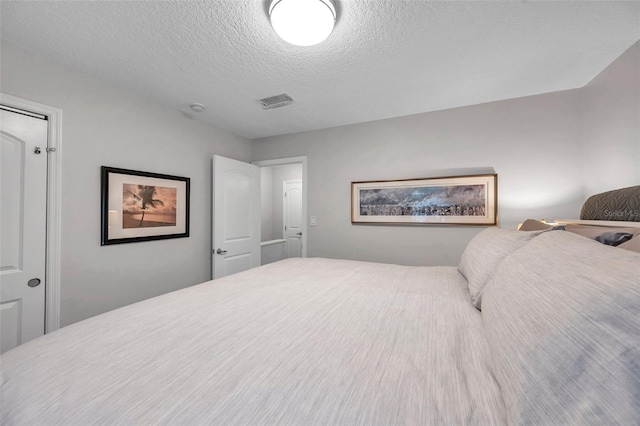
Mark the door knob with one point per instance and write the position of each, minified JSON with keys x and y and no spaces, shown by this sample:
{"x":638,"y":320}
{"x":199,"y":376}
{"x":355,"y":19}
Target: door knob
{"x":220,"y":251}
{"x":36,"y":150}
{"x":33,"y":282}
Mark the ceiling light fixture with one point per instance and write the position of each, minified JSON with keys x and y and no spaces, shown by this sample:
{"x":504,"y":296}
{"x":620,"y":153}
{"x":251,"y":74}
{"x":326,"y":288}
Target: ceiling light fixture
{"x":302,"y":22}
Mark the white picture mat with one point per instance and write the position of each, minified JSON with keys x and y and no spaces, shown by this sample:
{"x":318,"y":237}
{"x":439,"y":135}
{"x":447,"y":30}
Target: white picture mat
{"x":116,"y":182}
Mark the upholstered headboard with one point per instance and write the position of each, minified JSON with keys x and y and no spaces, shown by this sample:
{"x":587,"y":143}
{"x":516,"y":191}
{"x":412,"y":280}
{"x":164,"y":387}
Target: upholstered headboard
{"x":617,"y":205}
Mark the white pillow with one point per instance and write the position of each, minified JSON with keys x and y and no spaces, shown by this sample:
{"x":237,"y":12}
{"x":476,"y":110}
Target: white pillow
{"x":484,"y":253}
{"x":562,"y":320}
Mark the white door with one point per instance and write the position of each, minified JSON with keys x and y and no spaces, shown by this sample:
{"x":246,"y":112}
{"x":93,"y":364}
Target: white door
{"x":23,"y":191}
{"x":236,"y":216}
{"x":292,"y":218}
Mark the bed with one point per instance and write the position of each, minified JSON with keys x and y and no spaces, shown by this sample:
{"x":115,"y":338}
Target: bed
{"x":537,"y":327}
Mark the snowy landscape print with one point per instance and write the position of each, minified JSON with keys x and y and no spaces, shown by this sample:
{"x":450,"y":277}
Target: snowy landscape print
{"x":449,"y":200}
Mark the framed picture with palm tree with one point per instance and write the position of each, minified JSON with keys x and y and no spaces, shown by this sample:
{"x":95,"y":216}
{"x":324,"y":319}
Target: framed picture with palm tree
{"x":143,"y":206}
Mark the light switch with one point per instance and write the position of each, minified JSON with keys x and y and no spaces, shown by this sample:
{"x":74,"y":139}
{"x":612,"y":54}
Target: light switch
{"x":313,"y":221}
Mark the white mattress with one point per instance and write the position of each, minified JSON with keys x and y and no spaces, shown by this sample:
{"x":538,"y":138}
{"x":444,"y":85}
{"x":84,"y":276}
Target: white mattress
{"x":302,"y":341}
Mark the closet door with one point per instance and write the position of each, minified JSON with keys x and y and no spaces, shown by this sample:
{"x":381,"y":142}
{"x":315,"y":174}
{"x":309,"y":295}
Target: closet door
{"x":23,"y":207}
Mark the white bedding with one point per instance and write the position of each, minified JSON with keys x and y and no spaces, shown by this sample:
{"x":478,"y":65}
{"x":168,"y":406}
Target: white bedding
{"x":302,"y":341}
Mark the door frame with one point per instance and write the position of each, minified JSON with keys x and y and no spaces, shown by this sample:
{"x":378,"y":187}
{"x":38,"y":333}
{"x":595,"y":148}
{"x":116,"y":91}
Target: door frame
{"x":294,"y":160}
{"x":54,"y":204}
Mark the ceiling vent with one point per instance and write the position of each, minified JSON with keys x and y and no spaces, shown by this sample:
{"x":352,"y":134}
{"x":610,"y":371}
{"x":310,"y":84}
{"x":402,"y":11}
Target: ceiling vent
{"x":276,"y":101}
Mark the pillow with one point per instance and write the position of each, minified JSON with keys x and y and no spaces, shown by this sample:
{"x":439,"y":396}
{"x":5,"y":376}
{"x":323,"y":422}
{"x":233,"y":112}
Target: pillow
{"x":483,"y":254}
{"x":562,"y":321}
{"x":613,"y":238}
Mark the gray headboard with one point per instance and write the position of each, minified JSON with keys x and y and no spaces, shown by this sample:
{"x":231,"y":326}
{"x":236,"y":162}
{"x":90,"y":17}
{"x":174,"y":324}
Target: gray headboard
{"x":619,"y":205}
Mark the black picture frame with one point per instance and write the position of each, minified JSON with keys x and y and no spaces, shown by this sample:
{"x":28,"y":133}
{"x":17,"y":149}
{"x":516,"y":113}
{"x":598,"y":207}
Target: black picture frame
{"x":128,"y":196}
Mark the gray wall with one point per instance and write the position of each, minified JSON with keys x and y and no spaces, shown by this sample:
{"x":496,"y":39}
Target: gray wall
{"x":104,"y":124}
{"x":532,"y":143}
{"x":611,"y":129}
{"x":550,"y":151}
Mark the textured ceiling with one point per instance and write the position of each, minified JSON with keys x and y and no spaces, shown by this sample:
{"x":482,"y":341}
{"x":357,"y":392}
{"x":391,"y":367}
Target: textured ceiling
{"x":384,"y":58}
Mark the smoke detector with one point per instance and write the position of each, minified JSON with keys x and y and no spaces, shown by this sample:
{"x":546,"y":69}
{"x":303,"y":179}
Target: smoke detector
{"x":276,"y":101}
{"x":197,"y":107}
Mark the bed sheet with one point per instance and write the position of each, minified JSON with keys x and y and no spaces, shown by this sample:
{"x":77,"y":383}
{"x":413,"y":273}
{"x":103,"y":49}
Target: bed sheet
{"x":301,"y":341}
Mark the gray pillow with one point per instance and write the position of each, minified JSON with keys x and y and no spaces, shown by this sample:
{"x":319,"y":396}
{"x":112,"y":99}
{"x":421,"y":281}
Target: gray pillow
{"x":614,"y":238}
{"x":485,"y":252}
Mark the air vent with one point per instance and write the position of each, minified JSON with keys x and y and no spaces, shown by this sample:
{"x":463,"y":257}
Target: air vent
{"x":276,"y":101}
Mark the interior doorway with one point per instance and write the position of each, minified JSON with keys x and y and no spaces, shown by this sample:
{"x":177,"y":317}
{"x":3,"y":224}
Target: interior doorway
{"x":292,"y":217}
{"x":283,"y":208}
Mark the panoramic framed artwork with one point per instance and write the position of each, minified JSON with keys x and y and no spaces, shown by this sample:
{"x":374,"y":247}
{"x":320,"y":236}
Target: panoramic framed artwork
{"x":459,"y":200}
{"x":143,"y":206}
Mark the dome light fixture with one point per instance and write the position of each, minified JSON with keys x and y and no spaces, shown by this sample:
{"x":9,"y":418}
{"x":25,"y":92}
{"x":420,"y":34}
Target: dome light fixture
{"x":302,"y":22}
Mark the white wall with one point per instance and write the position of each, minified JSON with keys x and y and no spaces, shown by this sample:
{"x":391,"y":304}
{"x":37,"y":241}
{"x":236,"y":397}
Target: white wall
{"x":611,"y":131}
{"x":532,"y":143}
{"x":104,"y":124}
